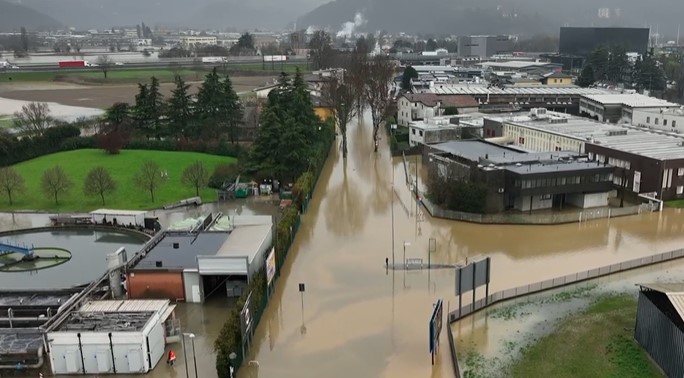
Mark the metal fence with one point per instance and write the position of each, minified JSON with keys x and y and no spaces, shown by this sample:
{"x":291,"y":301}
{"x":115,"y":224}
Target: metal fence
{"x":539,"y":218}
{"x":553,"y":283}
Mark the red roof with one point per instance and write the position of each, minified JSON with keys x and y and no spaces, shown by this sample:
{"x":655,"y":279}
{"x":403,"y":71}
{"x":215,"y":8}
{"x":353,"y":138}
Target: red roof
{"x":448,"y":101}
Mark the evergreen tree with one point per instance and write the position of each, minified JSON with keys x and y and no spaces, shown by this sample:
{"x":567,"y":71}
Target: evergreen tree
{"x":149,"y":109}
{"x":209,"y":103}
{"x":180,"y":110}
{"x":139,"y":110}
{"x":409,"y":74}
{"x":618,"y":64}
{"x":232,"y":111}
{"x":598,"y":59}
{"x":586,"y":77}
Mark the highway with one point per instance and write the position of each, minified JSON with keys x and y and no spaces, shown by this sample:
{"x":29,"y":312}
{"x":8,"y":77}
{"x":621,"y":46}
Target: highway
{"x":159,"y":63}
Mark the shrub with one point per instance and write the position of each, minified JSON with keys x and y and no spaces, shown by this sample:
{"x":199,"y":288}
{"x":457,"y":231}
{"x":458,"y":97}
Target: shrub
{"x":302,"y":188}
{"x":223,"y":173}
{"x":111,"y":142}
{"x":77,"y":143}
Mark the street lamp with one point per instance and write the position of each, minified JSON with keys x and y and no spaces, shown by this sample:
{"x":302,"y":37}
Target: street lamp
{"x":185,"y":357}
{"x":194,"y":356}
{"x":406,"y":244}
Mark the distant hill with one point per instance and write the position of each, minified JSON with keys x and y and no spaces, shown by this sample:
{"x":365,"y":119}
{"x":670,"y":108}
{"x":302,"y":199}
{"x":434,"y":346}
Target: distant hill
{"x":14,"y":16}
{"x":494,"y":16}
{"x":238,"y":14}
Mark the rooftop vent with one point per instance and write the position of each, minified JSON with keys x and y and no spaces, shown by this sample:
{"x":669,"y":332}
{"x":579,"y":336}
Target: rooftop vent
{"x":176,"y":245}
{"x":158,"y":264}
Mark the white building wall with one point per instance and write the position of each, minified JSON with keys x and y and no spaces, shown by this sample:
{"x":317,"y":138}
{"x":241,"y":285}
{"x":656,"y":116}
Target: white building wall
{"x":587,"y":200}
{"x":192,"y":282}
{"x":541,"y":141}
{"x":666,"y":121}
{"x":129,"y":350}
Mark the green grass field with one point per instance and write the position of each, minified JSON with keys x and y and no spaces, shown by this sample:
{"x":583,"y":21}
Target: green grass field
{"x":122,"y":167}
{"x":679,"y":203}
{"x":6,"y":121}
{"x":595,"y":343}
{"x":119,"y":75}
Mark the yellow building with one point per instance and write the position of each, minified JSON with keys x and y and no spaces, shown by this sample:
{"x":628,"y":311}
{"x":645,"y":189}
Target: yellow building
{"x":323,"y":110}
{"x":556,"y":78}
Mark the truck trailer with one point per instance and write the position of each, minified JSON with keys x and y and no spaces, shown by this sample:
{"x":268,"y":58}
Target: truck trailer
{"x":73,"y":63}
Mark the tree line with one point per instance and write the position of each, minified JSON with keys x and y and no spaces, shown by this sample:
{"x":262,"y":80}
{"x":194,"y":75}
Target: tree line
{"x":612,"y":65}
{"x":215,"y":111}
{"x":99,"y":182}
{"x":365,"y":81}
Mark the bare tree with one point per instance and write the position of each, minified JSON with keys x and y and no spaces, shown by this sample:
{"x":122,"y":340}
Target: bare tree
{"x":33,"y":119}
{"x":11,"y":182}
{"x":99,"y":182}
{"x":380,"y":73}
{"x":104,"y":62}
{"x":195,"y":175}
{"x":55,"y":182}
{"x":340,"y":96}
{"x":357,"y":74}
{"x":150,"y":177}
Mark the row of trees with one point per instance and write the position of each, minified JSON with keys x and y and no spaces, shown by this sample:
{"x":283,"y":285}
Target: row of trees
{"x":611,"y":64}
{"x":55,"y":182}
{"x":365,"y":82}
{"x":214,"y":111}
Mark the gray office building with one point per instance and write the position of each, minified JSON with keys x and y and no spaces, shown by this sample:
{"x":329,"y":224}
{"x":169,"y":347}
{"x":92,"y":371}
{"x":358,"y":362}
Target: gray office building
{"x":484,"y":46}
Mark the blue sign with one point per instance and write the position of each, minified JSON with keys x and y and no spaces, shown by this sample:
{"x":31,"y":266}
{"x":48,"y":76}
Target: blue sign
{"x":435,"y":326}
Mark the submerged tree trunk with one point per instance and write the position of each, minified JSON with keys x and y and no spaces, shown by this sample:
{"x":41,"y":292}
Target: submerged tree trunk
{"x":344,"y":144}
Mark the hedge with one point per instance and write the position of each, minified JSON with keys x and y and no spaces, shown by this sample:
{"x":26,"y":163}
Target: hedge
{"x":229,"y":339}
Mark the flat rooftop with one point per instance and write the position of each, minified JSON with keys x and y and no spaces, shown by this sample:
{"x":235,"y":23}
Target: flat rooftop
{"x":105,"y":321}
{"x":185,"y":256}
{"x":649,"y":143}
{"x":245,"y":241}
{"x":482,"y":89}
{"x":492,"y":156}
{"x":633,"y":100}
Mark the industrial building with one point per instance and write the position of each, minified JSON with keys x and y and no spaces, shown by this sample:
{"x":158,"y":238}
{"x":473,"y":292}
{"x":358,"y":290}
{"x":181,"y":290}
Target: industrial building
{"x":659,"y":325}
{"x":668,"y":119}
{"x":484,"y":46}
{"x":519,"y":180}
{"x":445,"y":128}
{"x":193,"y":41}
{"x":558,"y":98}
{"x":112,"y":337}
{"x":648,"y":162}
{"x":580,"y":41}
{"x":189,"y":266}
{"x":419,"y":106}
{"x":620,"y":107}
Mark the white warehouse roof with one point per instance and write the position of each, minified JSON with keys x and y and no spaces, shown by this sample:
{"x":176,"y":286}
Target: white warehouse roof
{"x":633,"y":100}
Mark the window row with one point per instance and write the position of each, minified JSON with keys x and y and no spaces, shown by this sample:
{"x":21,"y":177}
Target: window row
{"x":561,"y":181}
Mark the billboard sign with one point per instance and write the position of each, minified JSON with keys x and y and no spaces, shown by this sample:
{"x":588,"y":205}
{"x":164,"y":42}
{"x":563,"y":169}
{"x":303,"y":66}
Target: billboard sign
{"x":472,"y":276}
{"x":246,"y":316}
{"x":270,"y":267}
{"x":436,"y":326}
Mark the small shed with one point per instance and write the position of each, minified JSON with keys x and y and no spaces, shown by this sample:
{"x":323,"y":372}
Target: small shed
{"x":660,"y":326}
{"x":122,"y":217}
{"x":115,"y":337}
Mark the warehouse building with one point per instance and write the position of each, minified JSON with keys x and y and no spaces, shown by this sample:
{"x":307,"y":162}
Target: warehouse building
{"x":620,"y":107}
{"x":648,"y":162}
{"x":660,"y":325}
{"x":669,"y":119}
{"x":190,"y":266}
{"x":112,"y":337}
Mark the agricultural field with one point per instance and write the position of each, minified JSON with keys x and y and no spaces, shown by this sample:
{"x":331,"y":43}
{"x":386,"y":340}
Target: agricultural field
{"x":122,"y":167}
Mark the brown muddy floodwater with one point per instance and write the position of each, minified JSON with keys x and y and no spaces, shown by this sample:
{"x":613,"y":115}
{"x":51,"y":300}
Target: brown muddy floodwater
{"x":356,"y":319}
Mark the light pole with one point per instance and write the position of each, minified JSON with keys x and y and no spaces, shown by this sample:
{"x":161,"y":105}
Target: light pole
{"x":194,"y":357}
{"x":232,"y":357}
{"x":185,"y":357}
{"x":406,"y":244}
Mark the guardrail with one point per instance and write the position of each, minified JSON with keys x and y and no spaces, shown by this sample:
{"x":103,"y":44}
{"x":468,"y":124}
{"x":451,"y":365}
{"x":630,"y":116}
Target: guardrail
{"x":537,"y":287}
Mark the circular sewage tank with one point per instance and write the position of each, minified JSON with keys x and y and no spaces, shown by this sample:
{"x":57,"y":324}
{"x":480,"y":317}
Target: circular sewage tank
{"x":68,"y":257}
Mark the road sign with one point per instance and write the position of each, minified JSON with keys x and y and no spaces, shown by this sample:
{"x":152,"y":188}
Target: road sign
{"x":301,"y":288}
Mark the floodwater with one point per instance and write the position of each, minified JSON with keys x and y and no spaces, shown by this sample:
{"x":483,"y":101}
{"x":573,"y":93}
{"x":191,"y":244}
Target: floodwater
{"x":89,"y":250}
{"x":496,"y":335}
{"x":355,"y":318}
